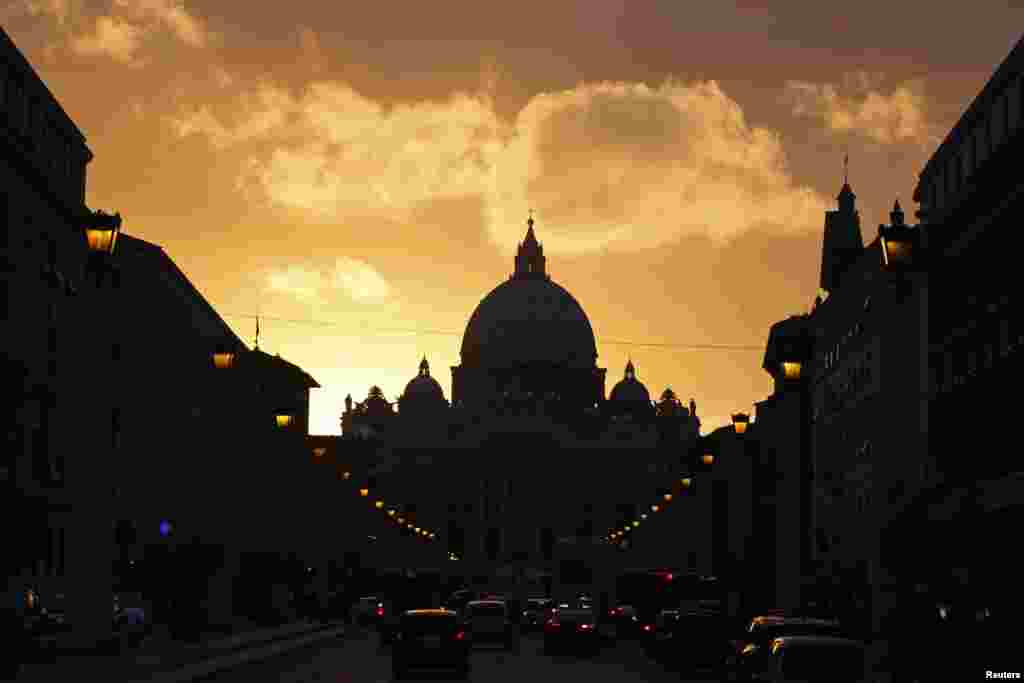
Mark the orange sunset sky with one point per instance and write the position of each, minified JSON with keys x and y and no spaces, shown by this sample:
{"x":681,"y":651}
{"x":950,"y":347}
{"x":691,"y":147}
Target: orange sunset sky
{"x":370,"y":166}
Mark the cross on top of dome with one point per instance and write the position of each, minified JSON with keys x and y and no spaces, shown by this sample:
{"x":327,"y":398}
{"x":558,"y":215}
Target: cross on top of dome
{"x":630,"y":370}
{"x":424,"y":367}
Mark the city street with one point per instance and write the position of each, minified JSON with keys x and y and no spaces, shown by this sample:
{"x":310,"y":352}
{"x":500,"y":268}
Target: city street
{"x":359,"y":658}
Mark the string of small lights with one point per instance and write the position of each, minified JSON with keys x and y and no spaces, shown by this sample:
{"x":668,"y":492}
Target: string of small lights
{"x":401,"y":519}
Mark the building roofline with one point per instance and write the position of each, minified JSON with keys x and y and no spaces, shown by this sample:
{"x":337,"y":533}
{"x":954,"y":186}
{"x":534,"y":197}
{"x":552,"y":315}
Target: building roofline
{"x":1011,"y":65}
{"x":21,"y":62}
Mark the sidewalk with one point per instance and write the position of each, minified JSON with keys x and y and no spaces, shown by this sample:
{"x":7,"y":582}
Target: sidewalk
{"x":159,"y":653}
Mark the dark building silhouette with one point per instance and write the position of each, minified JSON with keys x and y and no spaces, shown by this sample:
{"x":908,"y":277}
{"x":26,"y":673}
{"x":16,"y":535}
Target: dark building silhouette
{"x":970,"y":208}
{"x":59,"y":351}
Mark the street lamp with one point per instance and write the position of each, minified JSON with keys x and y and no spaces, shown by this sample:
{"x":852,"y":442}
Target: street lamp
{"x":643,"y":515}
{"x":346,"y":475}
{"x":284,"y":420}
{"x":223,"y":359}
{"x":364,"y":492}
{"x":391,"y":513}
{"x":686,"y":481}
{"x":379,"y":504}
{"x":707,"y":459}
{"x":898,"y":241}
{"x":655,"y":508}
{"x":740,"y":422}
{"x":101,"y":231}
{"x":667,"y":497}
{"x":319,"y":451}
{"x":791,"y":369}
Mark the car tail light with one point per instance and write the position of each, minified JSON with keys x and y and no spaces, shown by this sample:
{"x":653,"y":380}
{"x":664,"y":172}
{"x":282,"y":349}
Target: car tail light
{"x":584,"y":627}
{"x":648,"y":627}
{"x":380,"y":611}
{"x":551,"y":623}
{"x":461,"y":635}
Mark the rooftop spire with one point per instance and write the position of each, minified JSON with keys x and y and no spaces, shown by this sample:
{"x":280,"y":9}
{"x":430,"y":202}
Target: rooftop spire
{"x":630,"y":370}
{"x":846,"y":196}
{"x":424,"y":366}
{"x":896,"y":215}
{"x":530,"y":257}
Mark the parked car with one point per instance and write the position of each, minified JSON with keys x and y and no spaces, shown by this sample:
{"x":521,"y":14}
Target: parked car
{"x":535,"y":613}
{"x":693,"y":640}
{"x":571,"y":628}
{"x":367,"y":610}
{"x":751,"y":650}
{"x":814,"y":658}
{"x":460,"y":598}
{"x":489,"y":621}
{"x":624,"y":619}
{"x":429,"y":639}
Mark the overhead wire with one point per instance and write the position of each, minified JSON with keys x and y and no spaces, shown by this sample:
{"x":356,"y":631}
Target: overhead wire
{"x":448,"y":333}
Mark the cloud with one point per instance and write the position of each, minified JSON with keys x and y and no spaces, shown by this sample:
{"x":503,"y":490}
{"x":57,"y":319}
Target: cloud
{"x":606,"y":165}
{"x":64,"y":11}
{"x":356,"y":279}
{"x":171,"y":14}
{"x":359,"y":280}
{"x":301,"y":283}
{"x":120,"y":34}
{"x":896,"y":117}
{"x":113,"y":38}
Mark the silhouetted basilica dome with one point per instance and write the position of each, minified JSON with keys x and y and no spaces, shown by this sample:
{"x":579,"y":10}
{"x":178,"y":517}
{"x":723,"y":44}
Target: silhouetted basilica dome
{"x":529,"y":319}
{"x":629,"y":389}
{"x":423,"y":385}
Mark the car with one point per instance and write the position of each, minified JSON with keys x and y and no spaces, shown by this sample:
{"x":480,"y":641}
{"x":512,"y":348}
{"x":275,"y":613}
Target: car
{"x":814,"y":658}
{"x":460,"y":598}
{"x":489,"y":621}
{"x":690,"y":640}
{"x":367,"y":610}
{"x":571,"y":628}
{"x":536,"y":613}
{"x":430,"y":639}
{"x":752,"y":648}
{"x":624,"y":619}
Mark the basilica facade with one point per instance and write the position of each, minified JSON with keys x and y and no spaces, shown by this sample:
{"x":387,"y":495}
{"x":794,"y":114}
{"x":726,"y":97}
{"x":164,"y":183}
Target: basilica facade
{"x":529,"y":462}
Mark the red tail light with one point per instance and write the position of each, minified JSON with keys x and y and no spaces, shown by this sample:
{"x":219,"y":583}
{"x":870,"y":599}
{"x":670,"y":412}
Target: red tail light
{"x":647,"y":627}
{"x":552,"y":624}
{"x":380,"y":611}
{"x":461,"y":635}
{"x":584,"y":627}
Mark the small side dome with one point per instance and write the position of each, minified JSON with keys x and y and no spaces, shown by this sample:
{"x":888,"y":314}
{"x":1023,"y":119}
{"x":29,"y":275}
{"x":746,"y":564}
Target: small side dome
{"x":423,"y":385}
{"x":629,"y":389}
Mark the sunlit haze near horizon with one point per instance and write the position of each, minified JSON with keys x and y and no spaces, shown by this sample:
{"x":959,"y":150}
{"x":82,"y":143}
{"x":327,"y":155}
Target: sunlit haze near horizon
{"x":370,"y":168}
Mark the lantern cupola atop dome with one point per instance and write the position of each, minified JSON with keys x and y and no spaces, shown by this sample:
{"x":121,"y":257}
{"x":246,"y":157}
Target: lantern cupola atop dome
{"x":530,"y":261}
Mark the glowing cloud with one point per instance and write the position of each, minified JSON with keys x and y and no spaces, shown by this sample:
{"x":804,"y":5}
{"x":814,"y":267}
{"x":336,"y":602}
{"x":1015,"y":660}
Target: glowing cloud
{"x":120,"y":34}
{"x":898,"y":116}
{"x":360,"y":280}
{"x":606,"y":165}
{"x":356,"y":279}
{"x":111,"y":38}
